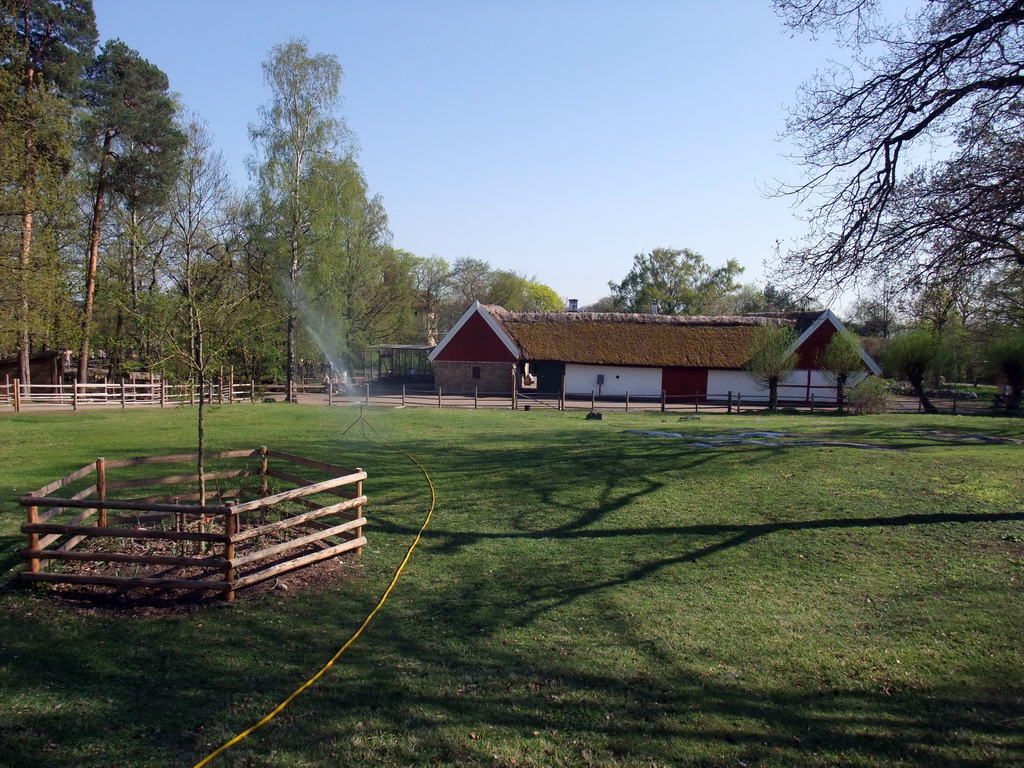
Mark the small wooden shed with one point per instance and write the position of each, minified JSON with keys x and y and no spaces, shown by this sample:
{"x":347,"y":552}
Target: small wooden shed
{"x":44,"y":367}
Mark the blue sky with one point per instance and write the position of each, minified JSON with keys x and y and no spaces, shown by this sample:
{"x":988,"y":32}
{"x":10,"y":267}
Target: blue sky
{"x":554,"y":138}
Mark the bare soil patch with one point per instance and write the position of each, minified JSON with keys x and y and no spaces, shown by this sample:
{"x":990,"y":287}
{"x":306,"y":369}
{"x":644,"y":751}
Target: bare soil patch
{"x":148,"y":602}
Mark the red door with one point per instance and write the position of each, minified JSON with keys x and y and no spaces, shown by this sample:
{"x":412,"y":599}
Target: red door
{"x":685,"y":382}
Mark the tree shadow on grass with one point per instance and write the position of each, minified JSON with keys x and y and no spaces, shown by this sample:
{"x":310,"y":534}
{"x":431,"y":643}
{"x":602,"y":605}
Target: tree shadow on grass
{"x":680,"y":711}
{"x":417,"y":687}
{"x":742,"y":535}
{"x":413,"y":692}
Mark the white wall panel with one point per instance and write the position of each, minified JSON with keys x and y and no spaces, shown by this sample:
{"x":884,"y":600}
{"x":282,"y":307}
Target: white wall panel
{"x":640,"y":382}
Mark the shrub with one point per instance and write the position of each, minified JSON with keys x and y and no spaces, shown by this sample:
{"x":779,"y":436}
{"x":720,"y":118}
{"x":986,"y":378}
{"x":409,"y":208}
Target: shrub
{"x":872,"y":395}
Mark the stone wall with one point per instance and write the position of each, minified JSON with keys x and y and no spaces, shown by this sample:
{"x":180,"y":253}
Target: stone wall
{"x":457,"y":378}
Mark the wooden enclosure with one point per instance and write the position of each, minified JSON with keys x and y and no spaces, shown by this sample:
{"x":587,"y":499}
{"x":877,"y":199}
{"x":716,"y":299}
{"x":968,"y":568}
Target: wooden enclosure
{"x":266,"y":521}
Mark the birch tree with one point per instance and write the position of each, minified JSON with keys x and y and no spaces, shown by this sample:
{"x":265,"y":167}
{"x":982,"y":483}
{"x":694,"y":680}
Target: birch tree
{"x":298,"y":125}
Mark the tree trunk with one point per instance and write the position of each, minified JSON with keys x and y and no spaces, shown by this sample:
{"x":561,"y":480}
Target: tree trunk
{"x":95,"y":229}
{"x":28,"y":202}
{"x":293,"y":275}
{"x":133,"y":259}
{"x":24,"y":307}
{"x":200,"y":463}
{"x":200,"y":366}
{"x":1014,"y":398}
{"x":290,"y":357}
{"x":917,"y":382}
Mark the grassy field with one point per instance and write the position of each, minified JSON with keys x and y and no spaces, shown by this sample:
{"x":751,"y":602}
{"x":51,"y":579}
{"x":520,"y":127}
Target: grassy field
{"x":584,"y":596}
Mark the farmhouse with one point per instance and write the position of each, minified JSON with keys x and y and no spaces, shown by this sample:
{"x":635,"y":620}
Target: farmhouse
{"x":493,"y":350}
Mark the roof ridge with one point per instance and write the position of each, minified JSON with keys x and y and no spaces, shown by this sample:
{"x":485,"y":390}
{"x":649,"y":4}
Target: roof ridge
{"x":527,"y":316}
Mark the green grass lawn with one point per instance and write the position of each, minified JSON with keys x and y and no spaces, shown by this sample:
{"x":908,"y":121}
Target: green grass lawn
{"x":583,"y":597}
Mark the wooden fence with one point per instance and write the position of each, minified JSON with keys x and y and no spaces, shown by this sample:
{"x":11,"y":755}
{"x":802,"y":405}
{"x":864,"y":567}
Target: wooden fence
{"x":725,"y":402}
{"x":252,"y":534}
{"x":123,"y":394}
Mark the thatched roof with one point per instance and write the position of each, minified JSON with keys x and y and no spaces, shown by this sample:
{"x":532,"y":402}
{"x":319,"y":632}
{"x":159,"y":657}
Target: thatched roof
{"x":610,"y":338}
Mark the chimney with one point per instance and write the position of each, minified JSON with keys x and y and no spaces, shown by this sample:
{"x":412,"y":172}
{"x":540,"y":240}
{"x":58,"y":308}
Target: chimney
{"x":655,"y":309}
{"x":574,"y":305}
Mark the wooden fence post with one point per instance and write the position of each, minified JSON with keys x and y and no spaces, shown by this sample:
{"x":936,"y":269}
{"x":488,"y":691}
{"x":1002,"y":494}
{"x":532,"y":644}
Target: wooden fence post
{"x":593,"y":401}
{"x":33,"y":539}
{"x":367,"y":393}
{"x":359,"y":510}
{"x":728,"y":402}
{"x":252,"y":391}
{"x":476,"y":397}
{"x":122,"y":394}
{"x":696,"y":401}
{"x":163,"y":392}
{"x":74,"y":394}
{"x":739,"y":401}
{"x":812,"y":402}
{"x":561,"y":399}
{"x":515,"y":396}
{"x":330,"y":392}
{"x":627,"y":401}
{"x":438,"y":397}
{"x":403,"y":395}
{"x":230,"y":529}
{"x":663,"y":401}
{"x":263,"y":471}
{"x":101,"y":491}
{"x":17,"y":396}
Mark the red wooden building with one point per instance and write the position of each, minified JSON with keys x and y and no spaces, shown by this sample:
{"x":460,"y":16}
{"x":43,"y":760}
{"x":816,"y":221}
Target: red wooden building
{"x":608,"y":353}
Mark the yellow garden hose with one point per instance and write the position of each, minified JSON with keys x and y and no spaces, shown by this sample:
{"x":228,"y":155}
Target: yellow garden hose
{"x":398,"y":572}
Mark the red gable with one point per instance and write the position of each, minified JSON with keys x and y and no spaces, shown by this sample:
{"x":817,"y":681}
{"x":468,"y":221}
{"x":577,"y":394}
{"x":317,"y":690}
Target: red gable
{"x":807,"y":353}
{"x":476,"y":342}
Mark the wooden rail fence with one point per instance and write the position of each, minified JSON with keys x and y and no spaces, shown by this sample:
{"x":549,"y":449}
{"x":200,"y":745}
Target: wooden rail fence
{"x":124,"y":394}
{"x":724,"y":402}
{"x":250,"y":535}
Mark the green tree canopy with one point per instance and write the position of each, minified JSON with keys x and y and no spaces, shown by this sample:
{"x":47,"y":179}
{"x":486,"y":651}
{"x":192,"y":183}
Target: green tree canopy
{"x":1006,"y":357}
{"x":913,"y":356}
{"x":44,"y":48}
{"x":679,"y":280}
{"x":298,"y":126}
{"x":133,"y":144}
{"x":841,"y":359}
{"x":772,"y":358}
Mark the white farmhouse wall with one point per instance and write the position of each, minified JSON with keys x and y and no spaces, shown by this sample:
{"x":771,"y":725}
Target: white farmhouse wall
{"x":639,"y":382}
{"x":799,"y":385}
{"x":646,"y":382}
{"x":720,"y":383}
